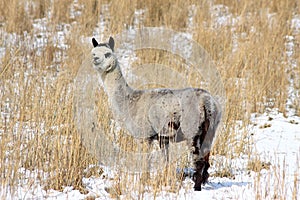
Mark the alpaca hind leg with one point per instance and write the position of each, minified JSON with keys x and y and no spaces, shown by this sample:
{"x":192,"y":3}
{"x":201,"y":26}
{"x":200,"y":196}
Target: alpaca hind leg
{"x":199,"y":164}
{"x":202,"y":144}
{"x":201,"y":174}
{"x":205,"y":173}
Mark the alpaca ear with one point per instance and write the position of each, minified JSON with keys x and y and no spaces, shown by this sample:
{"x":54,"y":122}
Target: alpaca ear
{"x":95,"y":43}
{"x":111,"y":43}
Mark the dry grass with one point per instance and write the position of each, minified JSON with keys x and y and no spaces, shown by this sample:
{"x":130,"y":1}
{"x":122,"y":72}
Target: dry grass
{"x":37,"y":129}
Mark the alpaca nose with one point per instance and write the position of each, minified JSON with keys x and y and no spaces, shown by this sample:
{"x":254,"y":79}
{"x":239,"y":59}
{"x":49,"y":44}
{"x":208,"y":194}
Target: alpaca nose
{"x":97,"y":60}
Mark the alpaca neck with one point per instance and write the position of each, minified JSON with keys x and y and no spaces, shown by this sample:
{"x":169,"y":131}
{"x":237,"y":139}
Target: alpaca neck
{"x":117,"y":90}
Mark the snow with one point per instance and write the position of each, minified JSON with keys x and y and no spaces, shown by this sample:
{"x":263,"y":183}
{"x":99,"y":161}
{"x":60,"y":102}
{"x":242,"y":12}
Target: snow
{"x":277,"y":141}
{"x":295,"y":23}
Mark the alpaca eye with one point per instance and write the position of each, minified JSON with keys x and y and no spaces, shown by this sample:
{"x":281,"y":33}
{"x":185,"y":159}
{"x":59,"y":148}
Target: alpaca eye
{"x":107,"y":55}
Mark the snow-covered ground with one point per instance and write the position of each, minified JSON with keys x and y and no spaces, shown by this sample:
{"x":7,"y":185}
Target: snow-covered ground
{"x":277,"y":142}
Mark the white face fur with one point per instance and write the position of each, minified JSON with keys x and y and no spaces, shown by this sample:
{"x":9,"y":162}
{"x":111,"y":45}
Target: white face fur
{"x":104,"y":59}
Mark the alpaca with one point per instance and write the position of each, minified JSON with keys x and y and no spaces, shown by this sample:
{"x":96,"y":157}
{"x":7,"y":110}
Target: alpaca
{"x":190,"y":114}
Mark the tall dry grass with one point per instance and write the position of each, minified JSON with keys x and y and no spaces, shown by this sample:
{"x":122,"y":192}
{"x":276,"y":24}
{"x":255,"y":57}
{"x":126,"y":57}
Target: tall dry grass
{"x":37,"y":127}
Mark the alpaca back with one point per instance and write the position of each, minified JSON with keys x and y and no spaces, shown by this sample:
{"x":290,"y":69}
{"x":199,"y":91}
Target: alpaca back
{"x":150,"y":112}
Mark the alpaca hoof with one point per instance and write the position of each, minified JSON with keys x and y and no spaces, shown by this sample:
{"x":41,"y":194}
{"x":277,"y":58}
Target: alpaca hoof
{"x":197,"y":188}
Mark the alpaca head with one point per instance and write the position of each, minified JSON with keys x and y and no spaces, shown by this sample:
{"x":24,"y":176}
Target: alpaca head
{"x":104,"y":59}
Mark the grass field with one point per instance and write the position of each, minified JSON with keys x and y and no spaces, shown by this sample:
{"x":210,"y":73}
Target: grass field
{"x":255,"y":46}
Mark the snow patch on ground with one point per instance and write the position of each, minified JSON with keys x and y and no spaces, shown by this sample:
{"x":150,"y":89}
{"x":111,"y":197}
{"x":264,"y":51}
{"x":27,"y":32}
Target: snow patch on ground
{"x":277,"y":141}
